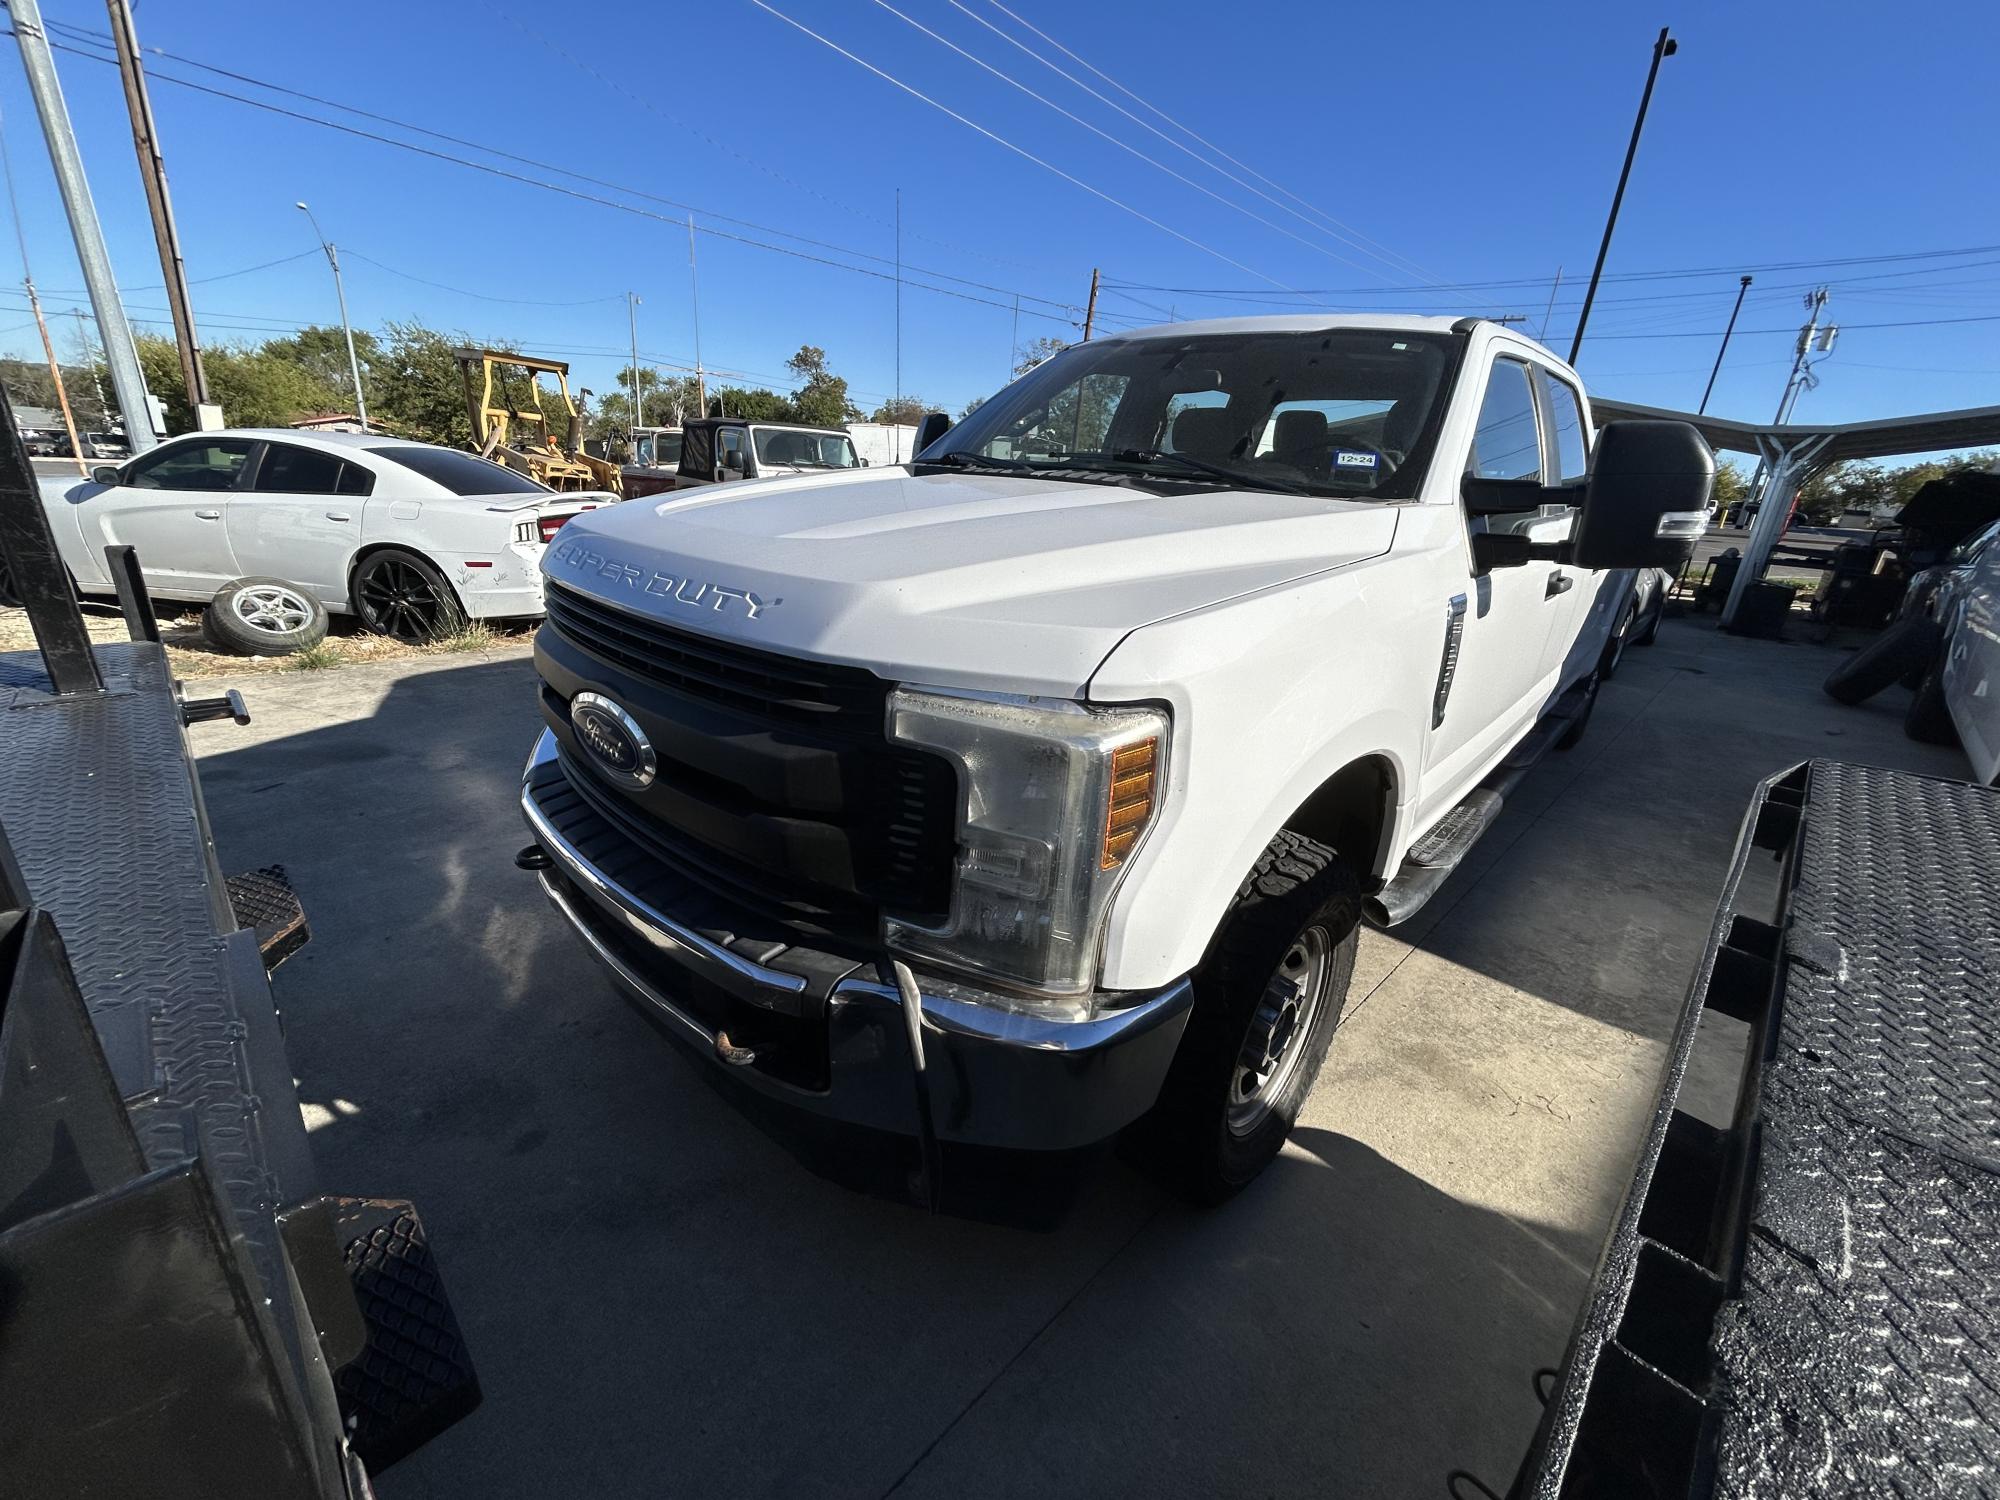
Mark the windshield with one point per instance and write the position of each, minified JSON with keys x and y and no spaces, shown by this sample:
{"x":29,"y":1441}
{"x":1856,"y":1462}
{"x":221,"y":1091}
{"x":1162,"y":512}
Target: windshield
{"x":461,"y":473}
{"x":660,"y":449}
{"x":1346,"y":412}
{"x":781,"y":447}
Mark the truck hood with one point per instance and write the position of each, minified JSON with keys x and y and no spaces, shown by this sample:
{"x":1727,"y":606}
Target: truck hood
{"x":996,"y":583}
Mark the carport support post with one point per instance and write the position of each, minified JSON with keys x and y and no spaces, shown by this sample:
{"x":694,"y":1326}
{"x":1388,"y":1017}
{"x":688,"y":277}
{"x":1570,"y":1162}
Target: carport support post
{"x":128,"y":381}
{"x":1788,"y":466}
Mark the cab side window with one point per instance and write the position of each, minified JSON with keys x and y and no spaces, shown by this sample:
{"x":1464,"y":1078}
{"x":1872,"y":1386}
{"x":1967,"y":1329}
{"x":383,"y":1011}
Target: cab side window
{"x":1507,"y":443}
{"x":1566,"y":423}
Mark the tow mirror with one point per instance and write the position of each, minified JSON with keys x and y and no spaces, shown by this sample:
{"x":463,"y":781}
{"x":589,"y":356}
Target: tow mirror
{"x":934,"y":426}
{"x":1647,"y":502}
{"x":106,"y":474}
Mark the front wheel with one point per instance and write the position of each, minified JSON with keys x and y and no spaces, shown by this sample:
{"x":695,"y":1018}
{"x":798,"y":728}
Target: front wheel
{"x":1266,"y":1001}
{"x":400,"y":595}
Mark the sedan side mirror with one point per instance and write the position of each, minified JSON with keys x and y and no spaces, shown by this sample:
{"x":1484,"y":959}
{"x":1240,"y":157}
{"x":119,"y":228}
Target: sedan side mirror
{"x":1647,"y":502}
{"x":934,"y":426}
{"x":106,"y":474}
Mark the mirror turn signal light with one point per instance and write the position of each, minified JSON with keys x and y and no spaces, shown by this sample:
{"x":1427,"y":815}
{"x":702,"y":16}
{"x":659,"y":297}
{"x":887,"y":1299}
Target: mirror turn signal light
{"x":1131,"y":801}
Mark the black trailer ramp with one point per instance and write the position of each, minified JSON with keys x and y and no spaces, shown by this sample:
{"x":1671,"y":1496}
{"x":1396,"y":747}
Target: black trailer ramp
{"x":1808,"y":1302}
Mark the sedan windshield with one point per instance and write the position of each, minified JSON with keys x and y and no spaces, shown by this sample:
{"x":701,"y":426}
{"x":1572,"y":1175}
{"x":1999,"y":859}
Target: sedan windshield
{"x":1347,"y":412}
{"x":782,"y":447}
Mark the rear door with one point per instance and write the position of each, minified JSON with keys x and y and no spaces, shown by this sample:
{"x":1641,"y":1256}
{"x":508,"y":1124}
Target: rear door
{"x":299,"y":518}
{"x":170,"y":504}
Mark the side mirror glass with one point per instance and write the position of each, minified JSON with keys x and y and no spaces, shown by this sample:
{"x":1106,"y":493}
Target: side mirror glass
{"x":104,"y":474}
{"x":934,"y":426}
{"x":1647,"y":501}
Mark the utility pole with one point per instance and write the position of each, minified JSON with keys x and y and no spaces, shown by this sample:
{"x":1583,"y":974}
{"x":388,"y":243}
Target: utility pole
{"x":694,"y":288}
{"x":1549,"y":311}
{"x":1090,"y":309}
{"x":897,"y":409}
{"x":35,"y":306}
{"x":90,"y":363}
{"x":55,"y":370}
{"x":638,"y":400}
{"x":153,"y":172}
{"x":120,"y":353}
{"x":340,"y":292}
{"x":1664,"y":46}
{"x":1801,"y":374}
{"x":1742,"y":286}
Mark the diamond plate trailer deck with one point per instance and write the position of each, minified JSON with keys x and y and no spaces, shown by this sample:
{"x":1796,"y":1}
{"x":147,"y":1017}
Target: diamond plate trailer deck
{"x":183,"y":1313}
{"x":1808,"y":1301}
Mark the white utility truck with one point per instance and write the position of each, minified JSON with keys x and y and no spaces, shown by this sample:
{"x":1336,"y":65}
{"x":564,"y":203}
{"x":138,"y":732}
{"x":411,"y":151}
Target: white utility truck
{"x":1055,"y":770}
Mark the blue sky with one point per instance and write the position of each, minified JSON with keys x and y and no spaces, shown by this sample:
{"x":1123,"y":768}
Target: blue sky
{"x":1457,"y":143}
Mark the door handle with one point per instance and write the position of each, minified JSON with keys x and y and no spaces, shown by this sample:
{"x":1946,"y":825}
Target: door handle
{"x":208,"y":515}
{"x":1559,"y":583}
{"x":338,"y":515}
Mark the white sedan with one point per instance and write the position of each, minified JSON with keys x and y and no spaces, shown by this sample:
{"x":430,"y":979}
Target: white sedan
{"x":411,"y":537}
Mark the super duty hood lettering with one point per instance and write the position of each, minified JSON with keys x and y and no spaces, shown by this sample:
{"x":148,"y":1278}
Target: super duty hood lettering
{"x":693,"y":592}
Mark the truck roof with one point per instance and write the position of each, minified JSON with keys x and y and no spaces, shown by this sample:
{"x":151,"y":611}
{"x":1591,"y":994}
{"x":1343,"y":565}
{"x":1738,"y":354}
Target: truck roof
{"x":1296,"y":323}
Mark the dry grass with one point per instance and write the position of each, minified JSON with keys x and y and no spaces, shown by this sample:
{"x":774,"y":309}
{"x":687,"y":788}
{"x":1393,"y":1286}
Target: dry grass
{"x":192,"y":655}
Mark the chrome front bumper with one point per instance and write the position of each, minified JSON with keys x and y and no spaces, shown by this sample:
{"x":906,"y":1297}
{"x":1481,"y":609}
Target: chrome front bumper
{"x":992,"y":1076}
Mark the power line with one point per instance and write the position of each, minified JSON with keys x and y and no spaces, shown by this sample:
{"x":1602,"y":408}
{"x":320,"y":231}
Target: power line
{"x":1020,"y":151}
{"x":481,"y":296}
{"x":1192,"y":155}
{"x":1349,"y":228}
{"x":1077,"y":119}
{"x":513,"y":176}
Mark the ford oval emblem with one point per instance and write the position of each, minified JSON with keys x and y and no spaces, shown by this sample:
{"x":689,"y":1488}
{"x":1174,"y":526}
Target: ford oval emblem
{"x":614,"y":741}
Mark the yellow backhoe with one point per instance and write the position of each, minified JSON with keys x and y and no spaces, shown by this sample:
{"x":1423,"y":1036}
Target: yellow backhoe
{"x":515,"y":432}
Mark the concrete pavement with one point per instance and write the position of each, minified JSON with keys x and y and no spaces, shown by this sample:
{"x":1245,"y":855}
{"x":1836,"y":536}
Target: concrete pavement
{"x":663,"y":1301}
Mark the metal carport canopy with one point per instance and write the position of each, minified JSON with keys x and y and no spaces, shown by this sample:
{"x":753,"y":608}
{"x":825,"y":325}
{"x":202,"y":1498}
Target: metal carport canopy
{"x":1930,"y":433}
{"x":1793,"y":451}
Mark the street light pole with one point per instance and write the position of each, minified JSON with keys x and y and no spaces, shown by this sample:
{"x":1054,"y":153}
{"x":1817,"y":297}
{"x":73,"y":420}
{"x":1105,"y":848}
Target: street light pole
{"x":1664,"y":46}
{"x":1741,"y":287}
{"x":340,"y":291}
{"x":638,"y":400}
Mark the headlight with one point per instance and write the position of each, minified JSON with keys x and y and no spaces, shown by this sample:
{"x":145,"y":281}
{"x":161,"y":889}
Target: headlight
{"x":1058,"y":797}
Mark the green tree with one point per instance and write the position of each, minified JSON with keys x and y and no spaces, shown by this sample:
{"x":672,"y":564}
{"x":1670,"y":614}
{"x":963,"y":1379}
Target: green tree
{"x":416,"y":385}
{"x":1842,"y":487}
{"x":1041,"y":350}
{"x":254,"y":387}
{"x":909,"y":410}
{"x":758,"y":405}
{"x":670,"y":400}
{"x":1730,"y":486}
{"x":322,"y":352}
{"x":821,"y":399}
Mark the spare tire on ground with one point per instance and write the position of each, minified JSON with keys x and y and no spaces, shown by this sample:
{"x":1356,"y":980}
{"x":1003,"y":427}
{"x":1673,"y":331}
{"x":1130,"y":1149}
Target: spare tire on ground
{"x":1907,"y":645}
{"x":263,"y":617}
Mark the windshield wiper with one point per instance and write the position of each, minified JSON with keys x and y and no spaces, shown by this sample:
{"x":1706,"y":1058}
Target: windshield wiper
{"x":1150,"y":456}
{"x":961,"y":459}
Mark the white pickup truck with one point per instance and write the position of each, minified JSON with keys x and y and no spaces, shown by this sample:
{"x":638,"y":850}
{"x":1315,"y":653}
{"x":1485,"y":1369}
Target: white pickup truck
{"x":1055,"y":770}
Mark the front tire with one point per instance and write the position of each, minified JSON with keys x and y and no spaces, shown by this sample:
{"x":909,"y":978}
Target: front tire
{"x":399,"y":594}
{"x":1267,"y":999}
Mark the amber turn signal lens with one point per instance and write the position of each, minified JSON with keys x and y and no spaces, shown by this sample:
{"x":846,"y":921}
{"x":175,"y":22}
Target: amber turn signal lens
{"x":1131,"y":803}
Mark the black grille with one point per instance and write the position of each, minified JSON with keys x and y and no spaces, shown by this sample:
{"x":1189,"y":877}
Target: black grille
{"x":721,"y":672}
{"x":777,"y":787}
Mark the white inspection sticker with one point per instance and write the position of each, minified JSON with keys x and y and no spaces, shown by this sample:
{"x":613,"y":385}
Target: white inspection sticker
{"x":1347,"y":458}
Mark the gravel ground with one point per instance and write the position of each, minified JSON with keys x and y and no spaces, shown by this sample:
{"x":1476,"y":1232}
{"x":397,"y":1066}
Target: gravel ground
{"x":192,"y":655}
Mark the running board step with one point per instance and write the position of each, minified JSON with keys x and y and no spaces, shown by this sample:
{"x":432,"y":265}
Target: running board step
{"x":1432,"y":859}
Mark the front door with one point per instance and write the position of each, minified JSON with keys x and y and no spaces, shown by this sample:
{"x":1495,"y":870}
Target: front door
{"x":169,"y":504}
{"x":299,"y":519}
{"x":1505,"y":618}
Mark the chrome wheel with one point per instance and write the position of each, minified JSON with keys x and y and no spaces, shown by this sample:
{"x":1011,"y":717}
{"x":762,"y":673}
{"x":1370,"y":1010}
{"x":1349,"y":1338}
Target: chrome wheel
{"x":1276,"y":1041}
{"x":272,"y":608}
{"x":405,"y":602}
